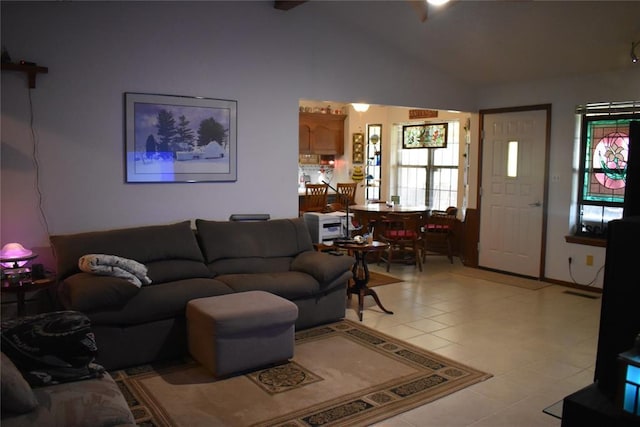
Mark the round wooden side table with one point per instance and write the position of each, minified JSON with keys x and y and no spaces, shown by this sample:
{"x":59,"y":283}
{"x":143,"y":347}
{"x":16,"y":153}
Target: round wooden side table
{"x":361,"y":274}
{"x":24,"y":285}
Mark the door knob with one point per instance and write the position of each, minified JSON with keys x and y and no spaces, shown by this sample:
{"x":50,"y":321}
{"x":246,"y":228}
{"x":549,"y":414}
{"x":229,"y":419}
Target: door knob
{"x":535,"y":205}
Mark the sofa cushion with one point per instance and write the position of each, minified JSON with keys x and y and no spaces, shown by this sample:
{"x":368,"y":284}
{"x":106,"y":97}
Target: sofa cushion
{"x":262,"y":239}
{"x":16,"y":394}
{"x":176,"y":269}
{"x":249,"y":265}
{"x":89,"y":292}
{"x":322,"y":266}
{"x":159,"y":302}
{"x":143,"y":244}
{"x":291,"y":285}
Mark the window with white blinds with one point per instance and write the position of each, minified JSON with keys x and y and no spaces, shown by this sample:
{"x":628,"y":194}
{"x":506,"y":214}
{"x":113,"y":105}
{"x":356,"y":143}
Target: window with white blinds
{"x":429,"y":176}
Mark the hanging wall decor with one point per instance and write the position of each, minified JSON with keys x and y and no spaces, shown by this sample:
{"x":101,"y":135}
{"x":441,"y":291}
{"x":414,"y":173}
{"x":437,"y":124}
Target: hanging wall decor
{"x":432,"y":135}
{"x":180,"y":139}
{"x":358,"y":148}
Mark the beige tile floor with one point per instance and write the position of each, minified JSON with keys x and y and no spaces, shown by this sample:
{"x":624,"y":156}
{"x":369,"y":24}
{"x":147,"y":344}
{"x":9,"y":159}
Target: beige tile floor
{"x":539,"y":345}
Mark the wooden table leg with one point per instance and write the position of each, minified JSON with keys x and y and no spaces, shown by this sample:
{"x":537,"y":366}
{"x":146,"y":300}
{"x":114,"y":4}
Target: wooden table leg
{"x":361,"y":278}
{"x":20,"y":296}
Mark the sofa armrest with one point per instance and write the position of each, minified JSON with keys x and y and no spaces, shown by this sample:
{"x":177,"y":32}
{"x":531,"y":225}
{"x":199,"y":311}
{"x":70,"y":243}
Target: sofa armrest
{"x":322,"y":266}
{"x":87,"y":292}
{"x":95,"y":402}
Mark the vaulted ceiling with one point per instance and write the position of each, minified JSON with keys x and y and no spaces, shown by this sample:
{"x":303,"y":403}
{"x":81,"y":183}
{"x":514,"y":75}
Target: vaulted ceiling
{"x":488,"y":42}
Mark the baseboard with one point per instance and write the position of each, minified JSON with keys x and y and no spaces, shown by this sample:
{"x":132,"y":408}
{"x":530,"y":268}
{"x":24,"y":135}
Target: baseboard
{"x":572,"y":285}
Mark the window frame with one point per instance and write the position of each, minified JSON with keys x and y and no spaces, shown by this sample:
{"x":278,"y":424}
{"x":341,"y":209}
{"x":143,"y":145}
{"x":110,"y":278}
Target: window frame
{"x":430,"y":168}
{"x":593,"y":113}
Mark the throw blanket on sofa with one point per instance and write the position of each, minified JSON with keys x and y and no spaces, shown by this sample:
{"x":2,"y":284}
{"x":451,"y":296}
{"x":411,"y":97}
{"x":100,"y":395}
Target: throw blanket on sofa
{"x":112,"y":265}
{"x":51,"y":348}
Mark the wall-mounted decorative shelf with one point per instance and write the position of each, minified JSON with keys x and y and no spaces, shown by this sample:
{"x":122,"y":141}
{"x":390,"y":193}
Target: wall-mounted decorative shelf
{"x":30,"y":70}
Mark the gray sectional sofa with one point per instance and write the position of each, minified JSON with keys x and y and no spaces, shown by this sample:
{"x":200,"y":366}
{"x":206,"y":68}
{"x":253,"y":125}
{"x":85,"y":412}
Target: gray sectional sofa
{"x":86,"y":403}
{"x":136,"y":325}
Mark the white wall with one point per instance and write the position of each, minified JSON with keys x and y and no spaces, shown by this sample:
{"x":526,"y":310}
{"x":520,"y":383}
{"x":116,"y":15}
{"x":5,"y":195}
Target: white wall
{"x":565,"y":95}
{"x":265,"y":59}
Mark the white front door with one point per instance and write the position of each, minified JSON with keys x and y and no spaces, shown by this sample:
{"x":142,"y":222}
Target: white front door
{"x":513,"y":191}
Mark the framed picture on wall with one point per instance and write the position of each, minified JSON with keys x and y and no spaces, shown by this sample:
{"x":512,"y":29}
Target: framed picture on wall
{"x":358,"y":148}
{"x":180,"y":139}
{"x":432,"y":135}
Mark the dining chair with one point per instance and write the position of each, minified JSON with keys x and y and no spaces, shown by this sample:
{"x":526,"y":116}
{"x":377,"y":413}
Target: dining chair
{"x":402,"y":232}
{"x":348,"y":191}
{"x":315,"y":198}
{"x":346,"y":194}
{"x":437,"y":234}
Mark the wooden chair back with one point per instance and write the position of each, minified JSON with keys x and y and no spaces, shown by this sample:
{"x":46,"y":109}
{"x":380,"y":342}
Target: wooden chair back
{"x":315,"y":198}
{"x":403,"y":233}
{"x":438,"y":233}
{"x":348,"y":191}
{"x":346,"y":194}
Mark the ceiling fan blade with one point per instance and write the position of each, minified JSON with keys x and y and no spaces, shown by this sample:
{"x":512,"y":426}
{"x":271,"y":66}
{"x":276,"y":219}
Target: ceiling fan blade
{"x":287,"y":4}
{"x":420,"y":7}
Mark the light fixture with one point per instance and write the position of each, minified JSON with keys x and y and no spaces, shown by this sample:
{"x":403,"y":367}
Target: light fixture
{"x":13,"y":258}
{"x":327,"y":159}
{"x":437,"y":2}
{"x":360,"y":108}
{"x":634,"y":57}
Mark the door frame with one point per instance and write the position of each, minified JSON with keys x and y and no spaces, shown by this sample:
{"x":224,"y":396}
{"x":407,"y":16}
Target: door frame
{"x":482,"y":114}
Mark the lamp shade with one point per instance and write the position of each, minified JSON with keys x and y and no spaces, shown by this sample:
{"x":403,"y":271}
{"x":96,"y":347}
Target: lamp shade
{"x":15,"y":255}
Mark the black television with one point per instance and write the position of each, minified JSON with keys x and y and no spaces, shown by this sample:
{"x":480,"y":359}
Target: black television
{"x":632,"y":181}
{"x":620,"y":309}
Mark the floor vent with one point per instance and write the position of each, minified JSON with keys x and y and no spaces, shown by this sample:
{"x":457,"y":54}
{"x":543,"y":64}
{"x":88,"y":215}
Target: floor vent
{"x":579,"y":294}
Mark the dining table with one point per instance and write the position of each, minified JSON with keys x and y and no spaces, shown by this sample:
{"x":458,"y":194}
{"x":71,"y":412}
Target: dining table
{"x":386,"y":208}
{"x":368,"y":214}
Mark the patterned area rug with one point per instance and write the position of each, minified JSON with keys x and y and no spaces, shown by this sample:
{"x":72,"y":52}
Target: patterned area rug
{"x":342,"y":374}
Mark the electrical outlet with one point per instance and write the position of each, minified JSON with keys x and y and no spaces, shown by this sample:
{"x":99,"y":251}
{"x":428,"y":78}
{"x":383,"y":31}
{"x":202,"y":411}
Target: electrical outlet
{"x":589,"y":259}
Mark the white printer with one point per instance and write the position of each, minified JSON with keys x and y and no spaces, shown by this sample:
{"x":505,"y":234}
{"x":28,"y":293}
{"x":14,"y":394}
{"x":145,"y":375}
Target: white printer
{"x":326,"y":226}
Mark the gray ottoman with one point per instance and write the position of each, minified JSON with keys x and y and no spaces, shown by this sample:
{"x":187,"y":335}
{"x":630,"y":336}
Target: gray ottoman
{"x":237,"y":332}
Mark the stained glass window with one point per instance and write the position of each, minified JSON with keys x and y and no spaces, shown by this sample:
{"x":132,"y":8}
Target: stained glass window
{"x":605,"y":151}
{"x":606,"y":160}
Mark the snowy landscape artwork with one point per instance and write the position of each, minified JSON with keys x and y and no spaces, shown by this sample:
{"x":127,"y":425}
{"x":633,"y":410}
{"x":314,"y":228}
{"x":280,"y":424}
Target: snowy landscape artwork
{"x":180,"y":139}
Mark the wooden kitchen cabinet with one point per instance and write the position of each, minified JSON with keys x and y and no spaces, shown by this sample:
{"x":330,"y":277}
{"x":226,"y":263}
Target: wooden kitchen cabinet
{"x":321,"y":133}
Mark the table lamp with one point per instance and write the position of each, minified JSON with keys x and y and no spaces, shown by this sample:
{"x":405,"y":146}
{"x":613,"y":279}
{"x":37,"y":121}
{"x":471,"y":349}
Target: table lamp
{"x":13,"y":258}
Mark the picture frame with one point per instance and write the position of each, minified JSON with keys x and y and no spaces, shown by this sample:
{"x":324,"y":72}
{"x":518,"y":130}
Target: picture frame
{"x":358,"y":148}
{"x":429,"y":135}
{"x":172,"y":138}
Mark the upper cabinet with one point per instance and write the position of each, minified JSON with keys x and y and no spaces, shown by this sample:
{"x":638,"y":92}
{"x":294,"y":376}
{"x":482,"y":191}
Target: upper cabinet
{"x":321,"y":133}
